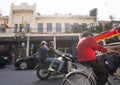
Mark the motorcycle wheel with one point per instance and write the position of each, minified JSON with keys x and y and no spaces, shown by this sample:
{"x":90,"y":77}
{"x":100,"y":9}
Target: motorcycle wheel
{"x":43,"y":73}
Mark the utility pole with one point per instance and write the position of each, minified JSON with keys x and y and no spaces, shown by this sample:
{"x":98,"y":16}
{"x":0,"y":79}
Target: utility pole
{"x":28,"y":44}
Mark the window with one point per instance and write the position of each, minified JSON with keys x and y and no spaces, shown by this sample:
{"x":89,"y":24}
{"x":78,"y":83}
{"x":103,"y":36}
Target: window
{"x":2,"y":28}
{"x":20,"y":27}
{"x":49,"y":27}
{"x":84,"y":26}
{"x":58,"y":27}
{"x":76,"y":24}
{"x":15,"y":28}
{"x":28,"y":28}
{"x":40,"y":27}
{"x":67,"y":27}
{"x":92,"y":24}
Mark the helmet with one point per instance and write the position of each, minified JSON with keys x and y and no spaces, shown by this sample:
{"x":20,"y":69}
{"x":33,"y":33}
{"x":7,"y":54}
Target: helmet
{"x":43,"y":42}
{"x":51,"y":42}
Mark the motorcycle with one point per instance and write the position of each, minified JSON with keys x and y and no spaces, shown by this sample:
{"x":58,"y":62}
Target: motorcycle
{"x":42,"y":68}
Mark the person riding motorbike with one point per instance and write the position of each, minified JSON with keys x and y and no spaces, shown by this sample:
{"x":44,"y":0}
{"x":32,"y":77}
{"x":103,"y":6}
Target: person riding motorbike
{"x":86,"y":48}
{"x":43,"y":51}
{"x":56,"y":59}
{"x":56,"y":63}
{"x":50,"y":54}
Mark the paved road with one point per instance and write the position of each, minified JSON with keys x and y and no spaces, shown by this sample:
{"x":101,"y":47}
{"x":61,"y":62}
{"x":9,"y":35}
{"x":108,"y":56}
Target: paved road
{"x":10,"y":76}
{"x":114,"y":82}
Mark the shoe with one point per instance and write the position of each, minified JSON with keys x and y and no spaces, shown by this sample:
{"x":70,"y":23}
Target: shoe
{"x":51,"y":69}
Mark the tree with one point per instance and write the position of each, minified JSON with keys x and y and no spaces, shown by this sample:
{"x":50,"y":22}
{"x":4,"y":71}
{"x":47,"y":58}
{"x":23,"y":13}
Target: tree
{"x":111,"y":17}
{"x":93,"y":12}
{"x":99,"y":28}
{"x":111,"y":21}
{"x":107,"y":26}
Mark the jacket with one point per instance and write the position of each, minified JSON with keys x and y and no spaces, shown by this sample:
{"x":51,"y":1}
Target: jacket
{"x":86,"y":48}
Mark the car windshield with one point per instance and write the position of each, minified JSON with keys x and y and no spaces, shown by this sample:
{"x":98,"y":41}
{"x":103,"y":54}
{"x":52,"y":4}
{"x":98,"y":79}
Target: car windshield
{"x":36,"y":55}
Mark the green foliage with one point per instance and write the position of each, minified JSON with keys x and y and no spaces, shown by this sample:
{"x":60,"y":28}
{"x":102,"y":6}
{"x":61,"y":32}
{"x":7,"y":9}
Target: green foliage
{"x":99,"y":28}
{"x":79,"y":28}
{"x":93,"y":12}
{"x":108,"y":26}
{"x":112,"y":39}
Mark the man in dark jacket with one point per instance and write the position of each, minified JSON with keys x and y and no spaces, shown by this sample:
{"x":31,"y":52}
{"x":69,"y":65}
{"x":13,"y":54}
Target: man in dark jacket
{"x":43,"y":51}
{"x":53,"y":54}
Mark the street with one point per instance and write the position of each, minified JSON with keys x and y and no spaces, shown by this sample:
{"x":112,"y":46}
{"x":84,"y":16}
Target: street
{"x":10,"y":76}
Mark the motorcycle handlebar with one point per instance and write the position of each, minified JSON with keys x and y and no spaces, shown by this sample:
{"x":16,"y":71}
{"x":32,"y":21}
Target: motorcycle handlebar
{"x":112,"y":51}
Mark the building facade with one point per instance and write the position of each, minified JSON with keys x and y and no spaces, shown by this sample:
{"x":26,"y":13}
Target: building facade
{"x":28,"y":28}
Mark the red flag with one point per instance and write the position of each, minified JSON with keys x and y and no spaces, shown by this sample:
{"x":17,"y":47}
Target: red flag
{"x":5,"y":23}
{"x":107,"y":34}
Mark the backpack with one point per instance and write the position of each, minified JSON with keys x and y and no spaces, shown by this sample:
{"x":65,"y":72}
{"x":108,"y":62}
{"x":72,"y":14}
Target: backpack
{"x":112,"y":62}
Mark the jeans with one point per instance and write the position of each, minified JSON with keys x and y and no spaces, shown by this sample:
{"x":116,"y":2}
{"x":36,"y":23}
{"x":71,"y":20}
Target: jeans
{"x":59,"y":61}
{"x":50,"y":58}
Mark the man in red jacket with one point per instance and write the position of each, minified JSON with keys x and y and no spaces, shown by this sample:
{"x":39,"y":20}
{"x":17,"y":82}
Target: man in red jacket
{"x":86,"y":50}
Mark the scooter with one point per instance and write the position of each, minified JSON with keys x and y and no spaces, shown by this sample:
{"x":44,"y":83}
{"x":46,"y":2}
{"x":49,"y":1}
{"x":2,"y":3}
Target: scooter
{"x":42,"y":68}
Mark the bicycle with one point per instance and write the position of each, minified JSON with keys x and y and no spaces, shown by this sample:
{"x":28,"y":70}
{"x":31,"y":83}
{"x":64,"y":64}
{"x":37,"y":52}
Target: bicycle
{"x":86,"y":76}
{"x":82,"y":77}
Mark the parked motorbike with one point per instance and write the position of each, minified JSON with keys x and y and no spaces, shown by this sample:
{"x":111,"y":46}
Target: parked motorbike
{"x":42,"y":68}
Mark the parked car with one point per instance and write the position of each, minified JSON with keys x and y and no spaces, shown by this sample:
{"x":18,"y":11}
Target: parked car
{"x":28,"y":62}
{"x":2,"y":62}
{"x":5,"y":59}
